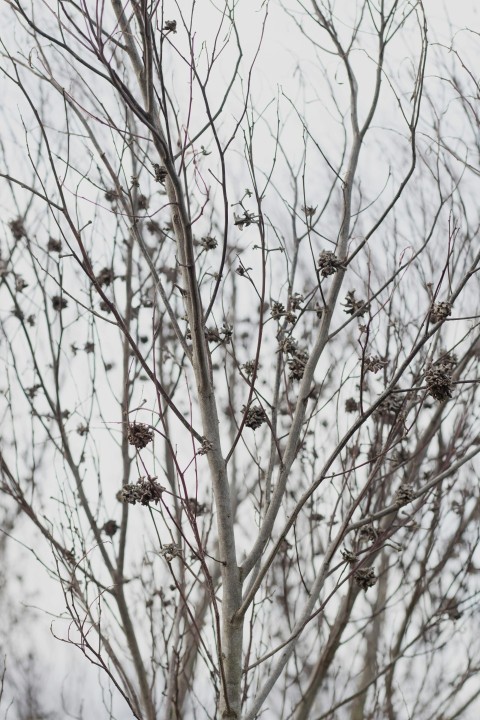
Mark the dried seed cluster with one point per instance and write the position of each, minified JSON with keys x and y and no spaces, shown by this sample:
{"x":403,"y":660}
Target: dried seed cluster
{"x":54,"y":245}
{"x":209,"y":243}
{"x":160,"y":171}
{"x":206,"y":446}
{"x":328,"y":263}
{"x":440,"y":311}
{"x":368,"y":533}
{"x":438,"y":377}
{"x":297,"y":364}
{"x":170,"y":551}
{"x":365,"y":578}
{"x":249,"y":367}
{"x":139,"y":435}
{"x":353,"y":306}
{"x":351,"y":405}
{"x":18,"y":228}
{"x":374,"y":364}
{"x":59,"y":303}
{"x":349,"y":556}
{"x":144,"y":491}
{"x":105,"y":277}
{"x":255,"y":416}
{"x":277,"y":310}
{"x":110,"y":528}
{"x":195,"y":507}
{"x":389,"y":409}
{"x":404,"y":495}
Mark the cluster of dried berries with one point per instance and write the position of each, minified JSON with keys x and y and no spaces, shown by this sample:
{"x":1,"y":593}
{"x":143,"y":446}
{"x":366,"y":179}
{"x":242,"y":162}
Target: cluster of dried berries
{"x":18,"y":228}
{"x":110,"y":528}
{"x":389,"y":409}
{"x":82,"y":430}
{"x":373,"y":363}
{"x":328,"y":263}
{"x":353,"y":306}
{"x":440,"y":311}
{"x":349,"y":556}
{"x":105,"y":277}
{"x":144,"y":491}
{"x":249,"y":368}
{"x":160,"y":173}
{"x":365,"y":578}
{"x":351,"y":405}
{"x":59,"y":303}
{"x":139,"y":435}
{"x":195,"y":507}
{"x":208,"y":242}
{"x":404,"y":495}
{"x":54,"y":245}
{"x":255,"y":416}
{"x":170,"y":551}
{"x":206,"y":446}
{"x":438,"y":377}
{"x":297,"y":364}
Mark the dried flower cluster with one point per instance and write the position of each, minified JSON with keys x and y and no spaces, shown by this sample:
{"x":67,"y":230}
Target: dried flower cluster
{"x":195,"y":507}
{"x":309,"y":210}
{"x":440,"y":311}
{"x":365,"y":578}
{"x":389,"y":409}
{"x":368,"y":533}
{"x":170,"y":551}
{"x":296,"y":301}
{"x":297,"y":364}
{"x":139,"y":435}
{"x":438,"y":377}
{"x":249,"y":368}
{"x":351,"y":405}
{"x":59,"y":303}
{"x":205,"y":447}
{"x":54,"y":245}
{"x":111,"y":196}
{"x":18,"y":228}
{"x":208,"y":242}
{"x":373,"y":363}
{"x":170,"y":26}
{"x":255,"y":416}
{"x":404,"y":495}
{"x":328,"y":263}
{"x":160,"y":173}
{"x":144,"y":491}
{"x":105,"y":277}
{"x":110,"y":528}
{"x":289,"y":346}
{"x":277,"y":310}
{"x":349,"y":556}
{"x":353,"y":306}
{"x":218,"y":335}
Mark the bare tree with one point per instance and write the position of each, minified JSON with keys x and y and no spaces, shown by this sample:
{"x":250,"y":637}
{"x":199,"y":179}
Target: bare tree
{"x":240,"y":344}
